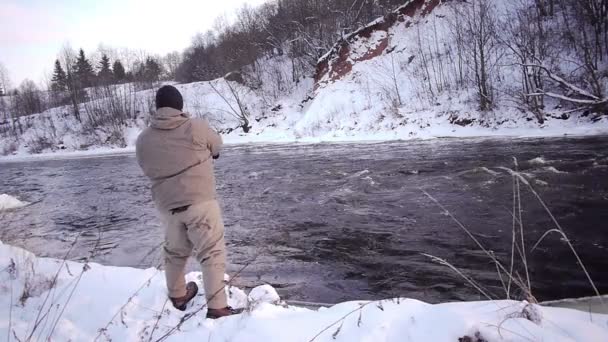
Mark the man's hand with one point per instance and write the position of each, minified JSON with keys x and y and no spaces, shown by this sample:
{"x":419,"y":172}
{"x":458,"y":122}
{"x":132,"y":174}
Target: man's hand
{"x":216,"y":157}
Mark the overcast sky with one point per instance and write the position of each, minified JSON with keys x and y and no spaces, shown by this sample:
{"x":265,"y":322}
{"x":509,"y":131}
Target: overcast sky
{"x":33,"y":31}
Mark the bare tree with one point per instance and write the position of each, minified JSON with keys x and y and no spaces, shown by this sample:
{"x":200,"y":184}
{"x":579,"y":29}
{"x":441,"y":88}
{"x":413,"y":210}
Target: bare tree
{"x":29,"y":99}
{"x":171,"y":63}
{"x":475,"y":31}
{"x":234,"y":101}
{"x":67,"y":56}
{"x":584,"y":29}
{"x":590,"y":29}
{"x":425,"y":60}
{"x":5,"y":82}
{"x":526,"y":38}
{"x":388,"y":81}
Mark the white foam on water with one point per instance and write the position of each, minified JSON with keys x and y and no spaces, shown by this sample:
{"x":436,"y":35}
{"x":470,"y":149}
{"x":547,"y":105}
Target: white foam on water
{"x":9,"y":202}
{"x":538,"y":161}
{"x":553,"y":170}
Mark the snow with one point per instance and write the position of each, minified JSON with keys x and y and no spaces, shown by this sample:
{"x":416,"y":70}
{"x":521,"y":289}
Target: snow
{"x":64,"y":300}
{"x":68,"y":154}
{"x":9,"y":202}
{"x":264,"y":294}
{"x":359,"y":107}
{"x":360,"y":47}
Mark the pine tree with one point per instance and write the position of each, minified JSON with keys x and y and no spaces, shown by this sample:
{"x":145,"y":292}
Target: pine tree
{"x":105,"y":74}
{"x":60,"y":78}
{"x":152,"y":70}
{"x":84,"y":71}
{"x":119,"y":71}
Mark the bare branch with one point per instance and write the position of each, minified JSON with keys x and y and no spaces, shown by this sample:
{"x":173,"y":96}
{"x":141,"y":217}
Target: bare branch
{"x":569,"y":99}
{"x":563,"y":82}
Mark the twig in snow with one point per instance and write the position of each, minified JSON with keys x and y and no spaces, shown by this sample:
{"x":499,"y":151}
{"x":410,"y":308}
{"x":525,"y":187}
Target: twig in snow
{"x":335,"y":334}
{"x":12,"y":269}
{"x":499,"y":327}
{"x":85,"y":268}
{"x":188,"y":316}
{"x":39,"y":319}
{"x":160,"y":315}
{"x":105,"y":328}
{"x":154,"y":249}
{"x":341,"y":319}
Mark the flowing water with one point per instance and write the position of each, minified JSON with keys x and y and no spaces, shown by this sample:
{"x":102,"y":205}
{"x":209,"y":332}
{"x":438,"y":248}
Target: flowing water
{"x":335,"y":222}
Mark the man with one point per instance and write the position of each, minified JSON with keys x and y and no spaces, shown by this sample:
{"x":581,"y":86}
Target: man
{"x":176,"y":153}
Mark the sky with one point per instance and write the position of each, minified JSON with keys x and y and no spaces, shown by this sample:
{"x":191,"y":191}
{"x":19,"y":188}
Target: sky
{"x":33,"y":31}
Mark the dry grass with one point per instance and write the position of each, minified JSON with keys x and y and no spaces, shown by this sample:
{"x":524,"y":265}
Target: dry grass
{"x":103,"y":331}
{"x":44,"y":311}
{"x":190,"y":315}
{"x":518,"y":247}
{"x":558,"y":230}
{"x":12,"y":271}
{"x":35,"y":285}
{"x":341,"y":321}
{"x":501,"y":269}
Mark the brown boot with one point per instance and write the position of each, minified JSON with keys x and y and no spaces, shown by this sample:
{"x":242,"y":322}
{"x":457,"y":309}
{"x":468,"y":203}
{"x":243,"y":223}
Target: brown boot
{"x":219,"y":313}
{"x":182,"y":302}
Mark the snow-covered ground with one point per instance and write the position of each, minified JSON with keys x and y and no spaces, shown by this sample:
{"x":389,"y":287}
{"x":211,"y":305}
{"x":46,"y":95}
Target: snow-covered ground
{"x":279,"y":130}
{"x":9,"y":202}
{"x":50,"y":299}
{"x":383,"y":97}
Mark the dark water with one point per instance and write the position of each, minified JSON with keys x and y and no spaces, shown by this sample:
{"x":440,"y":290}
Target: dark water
{"x":344,"y":221}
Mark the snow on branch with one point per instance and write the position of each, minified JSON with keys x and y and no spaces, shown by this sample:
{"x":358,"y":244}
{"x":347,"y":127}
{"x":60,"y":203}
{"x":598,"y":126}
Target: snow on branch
{"x":568,"y":85}
{"x":569,"y":99}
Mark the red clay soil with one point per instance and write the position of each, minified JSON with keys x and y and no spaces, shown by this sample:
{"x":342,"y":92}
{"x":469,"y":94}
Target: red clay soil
{"x":336,"y":64}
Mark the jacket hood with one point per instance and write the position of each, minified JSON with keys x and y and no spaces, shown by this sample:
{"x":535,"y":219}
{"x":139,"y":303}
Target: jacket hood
{"x":168,"y":118}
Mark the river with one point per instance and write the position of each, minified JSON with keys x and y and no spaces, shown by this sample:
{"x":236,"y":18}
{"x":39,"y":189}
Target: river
{"x":335,"y":222}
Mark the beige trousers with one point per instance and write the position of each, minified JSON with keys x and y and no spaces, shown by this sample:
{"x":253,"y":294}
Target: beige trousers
{"x":199,"y":229}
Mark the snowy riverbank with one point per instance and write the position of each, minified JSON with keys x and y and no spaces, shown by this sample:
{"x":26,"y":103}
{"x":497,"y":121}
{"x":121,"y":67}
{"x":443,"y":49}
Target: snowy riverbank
{"x":278,"y":136}
{"x":396,"y":78}
{"x":51,"y":299}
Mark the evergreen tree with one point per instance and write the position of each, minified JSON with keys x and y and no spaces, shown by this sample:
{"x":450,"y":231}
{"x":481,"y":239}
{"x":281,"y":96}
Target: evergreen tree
{"x":84,"y":71}
{"x":152,"y":70}
{"x":119,"y":71}
{"x":105,"y":74}
{"x":60,"y":78}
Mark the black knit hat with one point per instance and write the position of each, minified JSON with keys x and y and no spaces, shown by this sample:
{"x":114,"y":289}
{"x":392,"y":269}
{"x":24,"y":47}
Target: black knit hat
{"x":169,"y":96}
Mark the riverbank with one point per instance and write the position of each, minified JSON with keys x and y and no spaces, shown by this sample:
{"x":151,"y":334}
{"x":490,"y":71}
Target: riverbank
{"x":64,"y":300}
{"x":280,"y":138}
